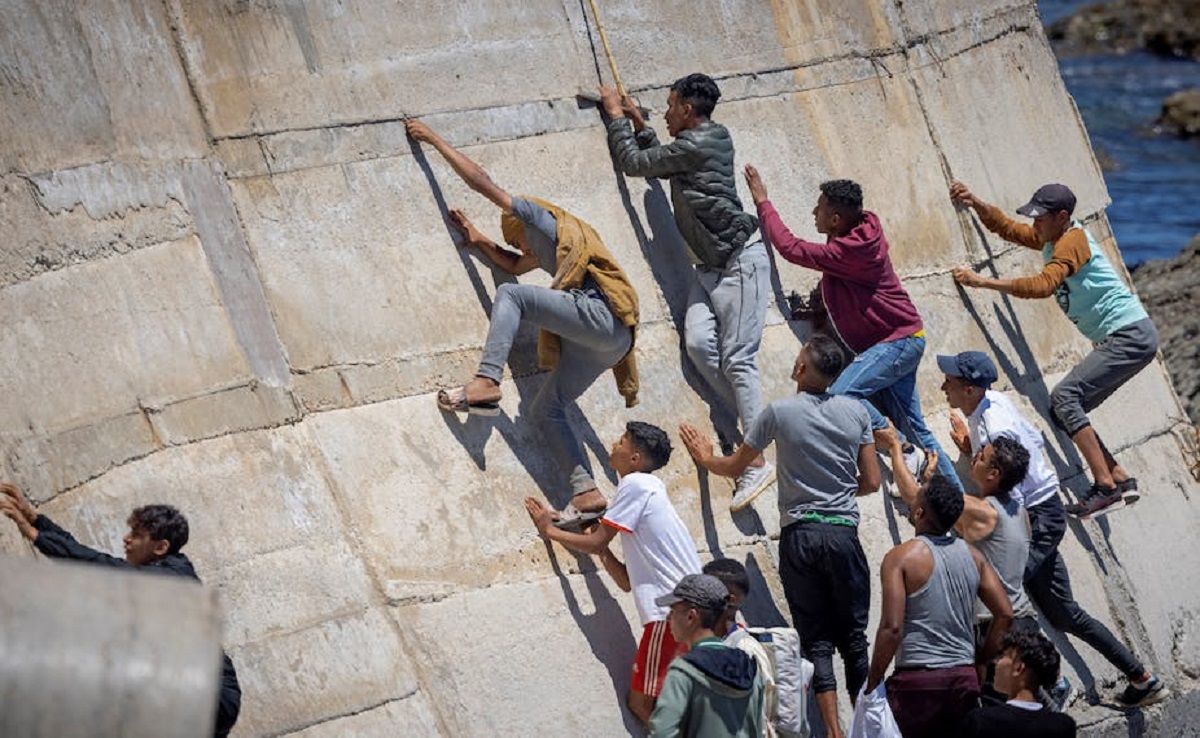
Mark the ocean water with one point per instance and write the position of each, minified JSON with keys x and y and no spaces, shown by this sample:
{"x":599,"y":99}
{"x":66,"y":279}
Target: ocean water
{"x":1153,"y":180}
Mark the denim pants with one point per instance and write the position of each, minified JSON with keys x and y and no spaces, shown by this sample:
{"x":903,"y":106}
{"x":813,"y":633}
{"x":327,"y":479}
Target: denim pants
{"x":827,"y":583}
{"x":1049,"y":586}
{"x":722,"y":330}
{"x":1113,"y":362}
{"x":886,"y":374}
{"x":593,"y":340}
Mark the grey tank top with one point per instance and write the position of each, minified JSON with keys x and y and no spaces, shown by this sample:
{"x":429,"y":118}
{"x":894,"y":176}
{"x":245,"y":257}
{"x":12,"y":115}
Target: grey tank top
{"x":1007,"y":549}
{"x":939,"y":618}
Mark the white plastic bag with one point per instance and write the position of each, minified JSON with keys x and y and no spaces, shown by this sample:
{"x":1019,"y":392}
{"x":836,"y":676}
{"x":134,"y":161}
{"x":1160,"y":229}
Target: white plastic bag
{"x":873,"y":717}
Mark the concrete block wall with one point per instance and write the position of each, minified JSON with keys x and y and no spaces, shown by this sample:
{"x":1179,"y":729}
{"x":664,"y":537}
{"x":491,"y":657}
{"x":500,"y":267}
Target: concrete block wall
{"x":228,"y":285}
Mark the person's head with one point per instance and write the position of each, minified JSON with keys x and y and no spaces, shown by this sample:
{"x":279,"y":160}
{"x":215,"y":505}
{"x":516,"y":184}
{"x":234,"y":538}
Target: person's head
{"x":839,"y":208}
{"x":939,"y":504}
{"x":1051,"y":208}
{"x":818,"y":364}
{"x":733,"y":575}
{"x":697,"y":604}
{"x":155,"y":531}
{"x":512,"y":230}
{"x":1000,"y":466}
{"x":968,"y":377}
{"x":1027,"y":661}
{"x":690,"y":102}
{"x":642,"y":448}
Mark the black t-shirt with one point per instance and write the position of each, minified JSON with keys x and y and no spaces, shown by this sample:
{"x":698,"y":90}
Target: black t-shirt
{"x":1006,"y":721}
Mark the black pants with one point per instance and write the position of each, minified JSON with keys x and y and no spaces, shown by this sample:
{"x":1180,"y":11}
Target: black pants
{"x":229,"y":699}
{"x":1049,"y":585}
{"x":828,"y":588}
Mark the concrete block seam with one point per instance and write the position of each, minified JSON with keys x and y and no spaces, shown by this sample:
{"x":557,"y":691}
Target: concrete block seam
{"x":352,"y":713}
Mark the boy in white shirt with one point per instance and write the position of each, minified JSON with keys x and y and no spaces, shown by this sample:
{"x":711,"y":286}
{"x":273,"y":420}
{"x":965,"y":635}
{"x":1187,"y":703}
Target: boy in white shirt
{"x":659,"y":550}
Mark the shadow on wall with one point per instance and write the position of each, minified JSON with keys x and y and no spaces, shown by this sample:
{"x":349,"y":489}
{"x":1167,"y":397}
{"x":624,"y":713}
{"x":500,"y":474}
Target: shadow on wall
{"x":606,"y":629}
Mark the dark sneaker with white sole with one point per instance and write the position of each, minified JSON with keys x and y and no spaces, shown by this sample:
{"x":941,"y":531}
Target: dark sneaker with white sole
{"x":1096,"y":502}
{"x":1129,"y":490}
{"x":1146,"y":693}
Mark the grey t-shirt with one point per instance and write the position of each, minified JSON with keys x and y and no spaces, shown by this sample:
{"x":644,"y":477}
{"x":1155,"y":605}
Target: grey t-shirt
{"x":541,"y":232}
{"x":818,"y":439}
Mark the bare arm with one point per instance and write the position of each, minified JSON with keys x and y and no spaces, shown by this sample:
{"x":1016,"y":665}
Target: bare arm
{"x":995,"y":599}
{"x":701,"y":450}
{"x":977,"y":521}
{"x":615,"y":568}
{"x":868,"y":470}
{"x":512,"y":262}
{"x":595,"y":541}
{"x":891,"y":621}
{"x":470,"y":172}
{"x":906,"y":484}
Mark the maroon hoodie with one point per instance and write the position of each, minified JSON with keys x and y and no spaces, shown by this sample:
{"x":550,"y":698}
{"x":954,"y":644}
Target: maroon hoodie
{"x":858,"y":284}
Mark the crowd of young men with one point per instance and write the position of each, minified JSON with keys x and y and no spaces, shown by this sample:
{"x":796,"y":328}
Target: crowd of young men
{"x":950,"y":595}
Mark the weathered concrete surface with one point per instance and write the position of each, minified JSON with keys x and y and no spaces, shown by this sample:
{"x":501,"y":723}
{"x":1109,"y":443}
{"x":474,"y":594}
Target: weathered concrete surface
{"x":93,"y":652}
{"x":228,"y":285}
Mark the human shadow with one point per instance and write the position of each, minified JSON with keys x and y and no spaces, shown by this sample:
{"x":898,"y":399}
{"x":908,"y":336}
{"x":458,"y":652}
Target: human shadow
{"x":664,"y":250}
{"x":1069,"y":653}
{"x":473,"y":432}
{"x":606,"y":630}
{"x":760,"y":608}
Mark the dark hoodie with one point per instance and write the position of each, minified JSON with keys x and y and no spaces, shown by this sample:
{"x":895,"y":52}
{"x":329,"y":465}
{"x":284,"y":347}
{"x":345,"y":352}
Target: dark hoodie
{"x":57,"y":543}
{"x":862,"y":293}
{"x":713,"y":691}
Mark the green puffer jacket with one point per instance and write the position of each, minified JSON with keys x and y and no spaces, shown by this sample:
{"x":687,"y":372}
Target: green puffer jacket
{"x":699,"y":163}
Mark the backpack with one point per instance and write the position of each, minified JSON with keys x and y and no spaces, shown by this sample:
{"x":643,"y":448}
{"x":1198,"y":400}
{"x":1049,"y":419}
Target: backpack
{"x":787,"y":677}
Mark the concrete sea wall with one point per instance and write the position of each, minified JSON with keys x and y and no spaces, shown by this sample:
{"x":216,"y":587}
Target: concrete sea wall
{"x":226,"y":283}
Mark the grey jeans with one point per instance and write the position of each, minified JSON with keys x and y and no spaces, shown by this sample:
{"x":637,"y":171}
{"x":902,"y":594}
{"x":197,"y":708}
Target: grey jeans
{"x":1112,"y":363}
{"x":722,"y":331}
{"x":593,"y":340}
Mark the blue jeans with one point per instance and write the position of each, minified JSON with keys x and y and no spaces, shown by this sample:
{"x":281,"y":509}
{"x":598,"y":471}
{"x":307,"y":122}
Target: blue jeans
{"x":886,"y":375}
{"x":722,"y":330}
{"x":593,"y":340}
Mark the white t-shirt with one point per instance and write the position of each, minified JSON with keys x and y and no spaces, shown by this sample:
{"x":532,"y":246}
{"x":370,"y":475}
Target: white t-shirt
{"x":997,"y":416}
{"x":659,"y":551}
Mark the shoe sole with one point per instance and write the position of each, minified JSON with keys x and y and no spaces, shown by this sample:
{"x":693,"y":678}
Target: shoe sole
{"x":762,"y":487}
{"x":1119,"y":504}
{"x":1151,"y":699}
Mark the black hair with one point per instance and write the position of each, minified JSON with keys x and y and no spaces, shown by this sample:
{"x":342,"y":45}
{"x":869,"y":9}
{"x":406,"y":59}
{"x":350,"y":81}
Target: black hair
{"x":844,"y":195}
{"x":731,"y":573}
{"x":1011,"y":459}
{"x":943,"y":502}
{"x":709,"y":618}
{"x":651,"y":442}
{"x":161,"y":523}
{"x":1037,"y":653}
{"x":699,"y":91}
{"x":825,"y":355}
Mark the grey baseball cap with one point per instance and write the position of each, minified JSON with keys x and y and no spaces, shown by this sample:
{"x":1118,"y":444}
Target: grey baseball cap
{"x":1049,"y":199}
{"x":702,"y":590}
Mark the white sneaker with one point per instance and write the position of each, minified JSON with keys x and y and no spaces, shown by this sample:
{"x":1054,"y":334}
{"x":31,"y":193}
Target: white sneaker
{"x":752,"y":483}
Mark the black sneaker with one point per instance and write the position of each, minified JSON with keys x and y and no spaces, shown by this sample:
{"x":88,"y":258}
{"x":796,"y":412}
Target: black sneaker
{"x":1097,"y":501}
{"x":1129,"y":490}
{"x":1147,"y":693}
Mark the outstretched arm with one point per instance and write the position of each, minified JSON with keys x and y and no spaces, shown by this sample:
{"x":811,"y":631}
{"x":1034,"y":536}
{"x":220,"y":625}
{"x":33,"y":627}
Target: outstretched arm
{"x":994,"y":219}
{"x":471,"y":173}
{"x":615,"y":568}
{"x":45,"y":535}
{"x":701,"y":450}
{"x":906,"y":484}
{"x":595,"y":541}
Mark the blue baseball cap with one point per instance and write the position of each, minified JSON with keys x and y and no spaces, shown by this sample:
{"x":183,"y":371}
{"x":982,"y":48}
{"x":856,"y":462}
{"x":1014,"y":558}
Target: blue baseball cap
{"x":975,"y":367}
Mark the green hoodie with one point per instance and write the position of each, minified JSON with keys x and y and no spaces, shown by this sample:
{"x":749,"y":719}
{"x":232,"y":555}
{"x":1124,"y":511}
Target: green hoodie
{"x":713,"y":691}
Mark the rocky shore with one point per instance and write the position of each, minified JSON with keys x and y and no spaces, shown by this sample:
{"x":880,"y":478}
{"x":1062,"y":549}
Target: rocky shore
{"x":1164,"y":27}
{"x":1181,"y":114}
{"x":1170,"y":290}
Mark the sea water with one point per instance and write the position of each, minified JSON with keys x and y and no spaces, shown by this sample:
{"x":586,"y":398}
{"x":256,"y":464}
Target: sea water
{"x":1153,"y":180}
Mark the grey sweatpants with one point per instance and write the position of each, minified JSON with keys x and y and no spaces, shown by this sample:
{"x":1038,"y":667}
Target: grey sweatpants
{"x":722,"y":331}
{"x":593,"y":340}
{"x":1112,"y":363}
